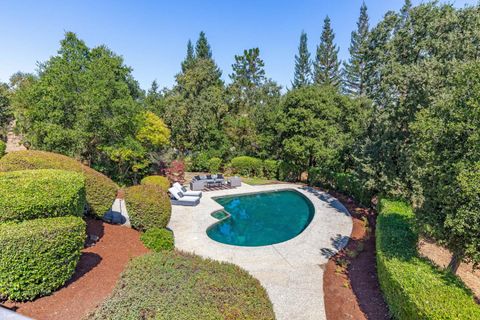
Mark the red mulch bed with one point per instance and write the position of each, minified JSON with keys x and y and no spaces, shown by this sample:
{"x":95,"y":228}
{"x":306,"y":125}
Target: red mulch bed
{"x":350,"y":282}
{"x":94,"y":279}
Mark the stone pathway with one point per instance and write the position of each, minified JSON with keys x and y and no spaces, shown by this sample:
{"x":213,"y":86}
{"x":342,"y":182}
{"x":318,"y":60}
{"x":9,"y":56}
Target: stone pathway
{"x":292,"y":271}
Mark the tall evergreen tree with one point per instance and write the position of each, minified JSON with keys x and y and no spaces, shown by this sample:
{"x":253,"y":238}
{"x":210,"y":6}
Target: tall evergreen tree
{"x":327,"y":66}
{"x":189,"y":58}
{"x":202,"y":48}
{"x":355,"y":74}
{"x":303,"y":71}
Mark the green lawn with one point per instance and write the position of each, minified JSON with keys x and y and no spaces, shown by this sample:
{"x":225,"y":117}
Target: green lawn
{"x":258,"y":181}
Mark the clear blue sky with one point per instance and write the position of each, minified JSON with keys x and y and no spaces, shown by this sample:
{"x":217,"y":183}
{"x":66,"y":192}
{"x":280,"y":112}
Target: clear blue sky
{"x":152,"y":35}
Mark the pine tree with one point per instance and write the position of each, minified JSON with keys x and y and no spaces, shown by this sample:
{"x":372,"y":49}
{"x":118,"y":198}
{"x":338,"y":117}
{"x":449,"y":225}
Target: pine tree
{"x":202,"y":48}
{"x":327,"y":66}
{"x":190,"y":56}
{"x":355,"y":74}
{"x":303,"y":70}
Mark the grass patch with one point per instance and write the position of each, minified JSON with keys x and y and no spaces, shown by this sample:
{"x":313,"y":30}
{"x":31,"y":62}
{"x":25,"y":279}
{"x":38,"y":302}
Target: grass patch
{"x":258,"y":181}
{"x":412,"y":286}
{"x":181,"y":286}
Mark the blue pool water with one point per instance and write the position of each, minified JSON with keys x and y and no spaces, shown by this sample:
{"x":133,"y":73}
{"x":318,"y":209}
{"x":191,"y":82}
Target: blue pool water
{"x":263,"y":218}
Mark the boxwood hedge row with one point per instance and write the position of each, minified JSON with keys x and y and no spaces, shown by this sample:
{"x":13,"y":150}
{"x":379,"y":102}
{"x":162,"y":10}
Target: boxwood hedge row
{"x":32,"y":194}
{"x":38,"y":256}
{"x":148,"y":207}
{"x":100,"y":189}
{"x":412,"y":286}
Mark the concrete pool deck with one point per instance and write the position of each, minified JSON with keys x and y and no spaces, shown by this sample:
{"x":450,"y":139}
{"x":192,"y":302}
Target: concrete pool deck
{"x":291,"y":271}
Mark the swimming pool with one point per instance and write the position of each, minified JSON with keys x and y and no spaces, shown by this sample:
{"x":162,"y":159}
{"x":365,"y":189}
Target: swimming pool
{"x":262,"y":219}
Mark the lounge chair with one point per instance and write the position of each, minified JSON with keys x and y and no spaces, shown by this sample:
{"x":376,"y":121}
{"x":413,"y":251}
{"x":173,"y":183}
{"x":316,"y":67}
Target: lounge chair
{"x":187,"y":192}
{"x":179,"y":199}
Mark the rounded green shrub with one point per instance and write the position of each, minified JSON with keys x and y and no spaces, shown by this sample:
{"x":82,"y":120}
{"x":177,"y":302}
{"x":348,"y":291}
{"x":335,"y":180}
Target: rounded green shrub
{"x":214,"y":165}
{"x":160,"y":181}
{"x":32,"y":194}
{"x":38,"y":256}
{"x":158,"y":239}
{"x":270,"y":168}
{"x":148,"y":206}
{"x":3,"y":147}
{"x":101,"y":190}
{"x":247,"y":166}
{"x":181,"y":286}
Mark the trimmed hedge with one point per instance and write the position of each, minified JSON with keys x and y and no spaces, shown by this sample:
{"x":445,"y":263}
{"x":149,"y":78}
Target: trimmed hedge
{"x":3,"y":147}
{"x":413,"y":287}
{"x":100,"y":190}
{"x":247,"y":166}
{"x":160,"y":181}
{"x":38,"y":256}
{"x":158,"y":239}
{"x":32,"y":194}
{"x":148,"y":207}
{"x":270,"y":168}
{"x":180,"y":286}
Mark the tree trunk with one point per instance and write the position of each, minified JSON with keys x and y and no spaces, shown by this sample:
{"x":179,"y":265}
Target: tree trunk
{"x":455,"y":262}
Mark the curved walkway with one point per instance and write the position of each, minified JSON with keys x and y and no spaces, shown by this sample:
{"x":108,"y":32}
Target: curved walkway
{"x":291,"y":271}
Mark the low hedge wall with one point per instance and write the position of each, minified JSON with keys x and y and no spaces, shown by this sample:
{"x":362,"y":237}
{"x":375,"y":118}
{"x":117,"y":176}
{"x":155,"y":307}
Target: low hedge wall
{"x":180,"y":286}
{"x":32,"y":194}
{"x":148,"y":207}
{"x":38,"y":256}
{"x":101,"y":190}
{"x":413,"y":288}
{"x":160,"y":181}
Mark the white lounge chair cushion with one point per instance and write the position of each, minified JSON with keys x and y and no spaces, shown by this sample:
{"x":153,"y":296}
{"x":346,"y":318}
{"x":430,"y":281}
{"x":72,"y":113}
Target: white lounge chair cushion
{"x":186,"y":192}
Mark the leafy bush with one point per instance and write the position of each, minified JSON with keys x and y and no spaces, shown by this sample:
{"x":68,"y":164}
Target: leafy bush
{"x":200,"y":161}
{"x":181,"y":286}
{"x":3,"y":147}
{"x":412,"y":286}
{"x":101,"y":191}
{"x":214,"y":165}
{"x":247,"y":166}
{"x":148,"y":207}
{"x":38,"y":256}
{"x":158,"y":239}
{"x":160,"y":181}
{"x":32,"y":194}
{"x":270,"y":168}
{"x":344,"y":182}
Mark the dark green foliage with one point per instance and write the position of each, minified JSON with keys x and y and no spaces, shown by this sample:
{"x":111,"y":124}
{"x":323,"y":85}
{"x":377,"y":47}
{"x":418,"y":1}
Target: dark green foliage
{"x":412,"y":286}
{"x":355,"y":75}
{"x":270,"y":168}
{"x":148,"y":207}
{"x":246,"y":166}
{"x":33,"y":194}
{"x":158,"y":239}
{"x":38,"y":256}
{"x":5,"y":110}
{"x":100,"y":190}
{"x":326,"y":65}
{"x":319,"y":128}
{"x":214,"y":165}
{"x":445,"y":164}
{"x":190,"y":58}
{"x":3,"y":146}
{"x":159,"y":181}
{"x":303,"y":65}
{"x":202,"y":48}
{"x":180,"y":286}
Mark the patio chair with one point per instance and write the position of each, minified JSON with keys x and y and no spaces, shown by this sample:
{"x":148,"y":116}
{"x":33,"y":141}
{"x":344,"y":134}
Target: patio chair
{"x":187,"y":192}
{"x":179,"y":199}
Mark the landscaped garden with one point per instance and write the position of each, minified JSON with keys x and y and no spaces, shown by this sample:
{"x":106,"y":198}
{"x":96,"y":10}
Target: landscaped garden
{"x":393,"y":132}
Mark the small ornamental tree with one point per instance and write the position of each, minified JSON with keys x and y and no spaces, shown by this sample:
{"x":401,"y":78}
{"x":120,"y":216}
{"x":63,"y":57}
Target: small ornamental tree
{"x":176,"y":172}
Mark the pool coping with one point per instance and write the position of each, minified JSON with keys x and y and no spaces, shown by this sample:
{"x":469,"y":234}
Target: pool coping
{"x":290,"y":271}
